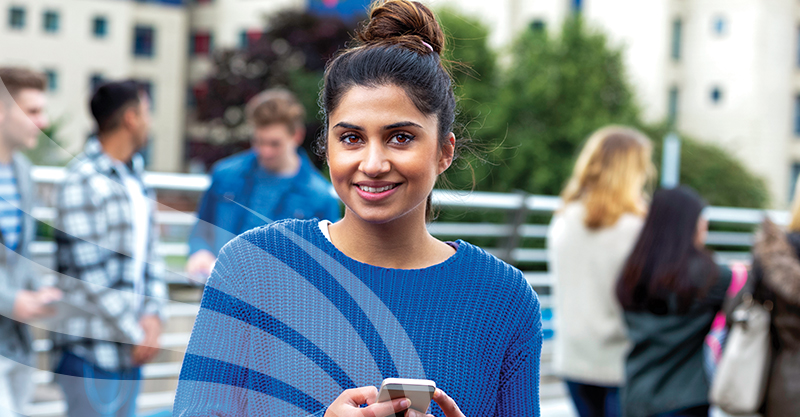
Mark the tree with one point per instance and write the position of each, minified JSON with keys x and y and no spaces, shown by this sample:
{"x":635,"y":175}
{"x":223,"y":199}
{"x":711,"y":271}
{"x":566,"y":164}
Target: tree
{"x":473,"y":65}
{"x":556,"y":92}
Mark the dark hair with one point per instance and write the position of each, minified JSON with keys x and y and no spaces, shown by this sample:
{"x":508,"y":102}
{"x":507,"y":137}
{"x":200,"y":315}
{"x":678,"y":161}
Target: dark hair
{"x":666,"y":271}
{"x":276,"y":106}
{"x":400,"y":45}
{"x":18,"y":79}
{"x":111,"y":100}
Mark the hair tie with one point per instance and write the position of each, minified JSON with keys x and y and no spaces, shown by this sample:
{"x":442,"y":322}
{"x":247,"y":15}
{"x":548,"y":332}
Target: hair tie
{"x":428,"y":45}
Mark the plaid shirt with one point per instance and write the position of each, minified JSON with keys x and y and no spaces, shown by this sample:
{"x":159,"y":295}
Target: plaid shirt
{"x":95,"y":238}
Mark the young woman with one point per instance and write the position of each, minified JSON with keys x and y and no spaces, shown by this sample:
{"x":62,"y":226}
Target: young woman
{"x":588,"y":241}
{"x":776,"y":270}
{"x":670,"y":290}
{"x":308,"y":317}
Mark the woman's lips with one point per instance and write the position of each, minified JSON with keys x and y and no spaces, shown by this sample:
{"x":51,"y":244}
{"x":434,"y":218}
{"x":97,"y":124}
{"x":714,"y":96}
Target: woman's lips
{"x":376,"y":193}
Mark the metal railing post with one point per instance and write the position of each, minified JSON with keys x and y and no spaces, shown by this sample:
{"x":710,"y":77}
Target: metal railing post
{"x":518,"y":218}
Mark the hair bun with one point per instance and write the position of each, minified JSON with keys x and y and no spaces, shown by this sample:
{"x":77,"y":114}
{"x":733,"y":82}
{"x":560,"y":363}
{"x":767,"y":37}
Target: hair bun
{"x":403,"y":22}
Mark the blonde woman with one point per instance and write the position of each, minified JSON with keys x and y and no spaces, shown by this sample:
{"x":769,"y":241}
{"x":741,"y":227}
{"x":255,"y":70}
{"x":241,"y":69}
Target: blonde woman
{"x":588,"y":242}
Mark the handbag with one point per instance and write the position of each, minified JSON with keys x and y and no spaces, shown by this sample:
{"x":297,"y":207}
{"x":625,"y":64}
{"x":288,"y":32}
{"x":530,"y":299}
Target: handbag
{"x":716,"y":337}
{"x":741,"y":376}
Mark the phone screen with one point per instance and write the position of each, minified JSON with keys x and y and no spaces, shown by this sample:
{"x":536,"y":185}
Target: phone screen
{"x":419,"y":395}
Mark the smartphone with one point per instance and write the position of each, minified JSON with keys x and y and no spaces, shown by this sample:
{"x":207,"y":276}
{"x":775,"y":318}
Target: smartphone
{"x":418,"y":391}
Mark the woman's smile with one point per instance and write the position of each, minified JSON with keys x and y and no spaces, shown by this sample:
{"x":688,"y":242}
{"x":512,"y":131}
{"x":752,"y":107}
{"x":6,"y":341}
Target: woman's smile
{"x":376,"y":190}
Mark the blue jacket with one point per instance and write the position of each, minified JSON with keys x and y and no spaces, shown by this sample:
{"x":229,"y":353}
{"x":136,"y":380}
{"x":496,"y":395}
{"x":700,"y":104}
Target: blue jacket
{"x":233,"y":179}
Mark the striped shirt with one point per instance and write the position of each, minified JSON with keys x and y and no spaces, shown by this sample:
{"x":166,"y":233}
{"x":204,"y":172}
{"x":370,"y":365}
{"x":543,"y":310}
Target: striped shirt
{"x":10,"y":214}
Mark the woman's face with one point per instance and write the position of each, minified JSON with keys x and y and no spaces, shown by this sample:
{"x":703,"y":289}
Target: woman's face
{"x":384,"y":154}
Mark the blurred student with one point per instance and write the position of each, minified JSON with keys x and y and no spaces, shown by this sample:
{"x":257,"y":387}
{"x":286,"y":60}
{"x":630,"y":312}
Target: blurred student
{"x":22,"y":118}
{"x":670,"y":289}
{"x":275,"y":179}
{"x":106,"y":236}
{"x":777,"y":272}
{"x":589,"y":240}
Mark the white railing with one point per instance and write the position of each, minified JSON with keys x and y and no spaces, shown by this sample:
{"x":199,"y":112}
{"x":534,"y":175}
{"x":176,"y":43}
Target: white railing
{"x":517,"y":205}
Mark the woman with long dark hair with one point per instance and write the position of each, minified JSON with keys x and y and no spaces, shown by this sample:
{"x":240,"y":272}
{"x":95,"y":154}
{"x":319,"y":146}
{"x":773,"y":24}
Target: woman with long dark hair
{"x":670,"y":290}
{"x":308,"y":317}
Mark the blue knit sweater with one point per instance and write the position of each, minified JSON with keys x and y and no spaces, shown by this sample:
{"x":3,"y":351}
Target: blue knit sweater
{"x":288,"y":322}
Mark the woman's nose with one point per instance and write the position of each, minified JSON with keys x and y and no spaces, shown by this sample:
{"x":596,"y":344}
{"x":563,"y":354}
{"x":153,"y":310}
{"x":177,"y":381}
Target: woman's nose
{"x":375,"y":161}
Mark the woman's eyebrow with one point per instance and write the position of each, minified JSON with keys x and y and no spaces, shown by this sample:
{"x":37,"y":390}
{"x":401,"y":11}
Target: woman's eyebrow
{"x":401,"y":124}
{"x":348,"y":126}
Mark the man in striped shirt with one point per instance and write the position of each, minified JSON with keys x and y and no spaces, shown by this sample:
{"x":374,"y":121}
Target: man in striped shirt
{"x":22,"y":118}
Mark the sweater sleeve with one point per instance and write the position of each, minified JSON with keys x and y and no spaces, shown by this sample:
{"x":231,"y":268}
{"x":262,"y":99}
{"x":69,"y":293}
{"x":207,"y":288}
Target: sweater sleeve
{"x":216,"y":367}
{"x":519,"y":385}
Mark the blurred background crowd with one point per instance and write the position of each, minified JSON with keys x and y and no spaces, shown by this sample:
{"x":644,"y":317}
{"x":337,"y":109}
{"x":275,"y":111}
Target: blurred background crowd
{"x":535,"y":79}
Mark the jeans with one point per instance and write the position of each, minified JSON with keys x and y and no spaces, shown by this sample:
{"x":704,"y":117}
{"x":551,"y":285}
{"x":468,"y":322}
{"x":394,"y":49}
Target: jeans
{"x":594,"y":400}
{"x":93,"y":392}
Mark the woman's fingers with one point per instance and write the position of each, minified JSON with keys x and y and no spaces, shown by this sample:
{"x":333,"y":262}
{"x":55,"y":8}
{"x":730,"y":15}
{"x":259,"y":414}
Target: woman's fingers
{"x":349,"y":402}
{"x":386,"y":408}
{"x":414,"y":413}
{"x":447,"y":404}
{"x":361,"y":395}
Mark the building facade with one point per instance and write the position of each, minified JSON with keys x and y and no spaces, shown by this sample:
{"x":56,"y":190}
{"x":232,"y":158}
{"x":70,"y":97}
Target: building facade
{"x":80,"y":43}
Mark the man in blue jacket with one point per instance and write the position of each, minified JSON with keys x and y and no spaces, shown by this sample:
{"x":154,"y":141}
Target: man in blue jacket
{"x":274,"y":180}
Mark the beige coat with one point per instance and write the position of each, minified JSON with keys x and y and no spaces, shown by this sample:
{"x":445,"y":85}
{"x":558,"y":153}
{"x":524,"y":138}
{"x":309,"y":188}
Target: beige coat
{"x":590,"y":341}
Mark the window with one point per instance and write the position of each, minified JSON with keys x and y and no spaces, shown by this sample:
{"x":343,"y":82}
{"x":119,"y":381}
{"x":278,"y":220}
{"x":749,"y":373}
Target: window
{"x":100,"y":27}
{"x":248,"y":37}
{"x":672,"y":108}
{"x":793,"y":180}
{"x":16,"y":18}
{"x":95,"y":82}
{"x":716,"y":95}
{"x":538,"y":26}
{"x":143,"y":41}
{"x":201,"y":43}
{"x":719,"y":25}
{"x":52,"y":79}
{"x":797,"y":115}
{"x":50,"y":21}
{"x":677,"y":29}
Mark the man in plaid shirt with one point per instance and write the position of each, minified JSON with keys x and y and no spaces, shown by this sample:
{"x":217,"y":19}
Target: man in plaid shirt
{"x":106,"y":238}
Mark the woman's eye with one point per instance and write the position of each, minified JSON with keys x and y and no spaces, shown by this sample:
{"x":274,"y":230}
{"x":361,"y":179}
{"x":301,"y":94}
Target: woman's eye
{"x":349,"y":139}
{"x":402,"y":138}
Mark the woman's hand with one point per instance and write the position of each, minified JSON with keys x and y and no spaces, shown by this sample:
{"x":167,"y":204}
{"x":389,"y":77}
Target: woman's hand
{"x":349,"y":402}
{"x":447,"y":404}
